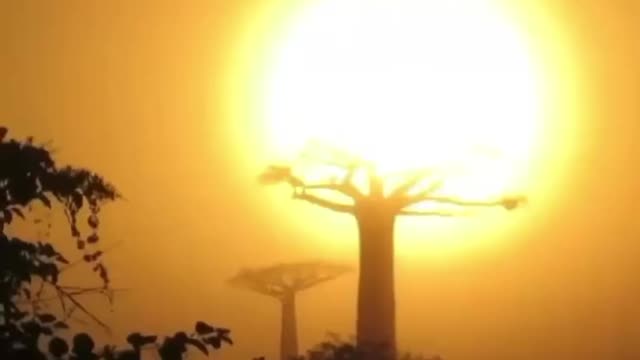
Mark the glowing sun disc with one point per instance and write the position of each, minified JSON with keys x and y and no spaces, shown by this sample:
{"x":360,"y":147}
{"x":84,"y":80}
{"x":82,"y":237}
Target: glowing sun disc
{"x":406,"y":84}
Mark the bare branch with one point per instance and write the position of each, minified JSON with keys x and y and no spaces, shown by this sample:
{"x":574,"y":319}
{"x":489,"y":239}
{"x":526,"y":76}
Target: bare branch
{"x":345,"y":188}
{"x":82,"y":261}
{"x":78,"y":305}
{"x":282,"y":279}
{"x":327,"y":204}
{"x":408,"y":200}
{"x":265,"y":290}
{"x":279,"y":174}
{"x":256,"y":281}
{"x":434,"y":213}
{"x":309,"y":283}
{"x":407,"y":185}
{"x":70,"y":291}
{"x":324,"y":154}
{"x":509,"y":203}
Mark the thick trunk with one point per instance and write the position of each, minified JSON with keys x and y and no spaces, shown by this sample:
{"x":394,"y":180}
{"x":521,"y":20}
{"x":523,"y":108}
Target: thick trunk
{"x":376,"y":332}
{"x":289,"y":331}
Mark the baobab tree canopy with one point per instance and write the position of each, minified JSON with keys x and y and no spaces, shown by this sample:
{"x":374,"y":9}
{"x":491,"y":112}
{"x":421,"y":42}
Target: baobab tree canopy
{"x":338,"y":181}
{"x":276,"y":279}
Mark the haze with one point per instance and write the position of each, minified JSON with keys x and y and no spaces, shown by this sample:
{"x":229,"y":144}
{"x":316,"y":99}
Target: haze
{"x":136,"y":90}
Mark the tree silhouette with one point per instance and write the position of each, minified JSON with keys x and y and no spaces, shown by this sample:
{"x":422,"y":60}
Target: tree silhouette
{"x":337,"y":348}
{"x":339,"y":182}
{"x":283,"y":282}
{"x":29,"y":176}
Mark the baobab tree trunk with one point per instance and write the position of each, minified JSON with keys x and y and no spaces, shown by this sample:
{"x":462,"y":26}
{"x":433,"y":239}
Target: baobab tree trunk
{"x":288,"y":328}
{"x":376,"y":332}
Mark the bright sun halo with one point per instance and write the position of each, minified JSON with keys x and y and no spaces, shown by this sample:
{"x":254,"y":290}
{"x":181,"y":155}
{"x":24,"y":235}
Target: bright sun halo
{"x":407,"y":84}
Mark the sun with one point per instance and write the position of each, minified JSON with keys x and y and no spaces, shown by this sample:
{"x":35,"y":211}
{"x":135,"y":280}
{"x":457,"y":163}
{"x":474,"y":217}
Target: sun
{"x":406,"y":84}
{"x":488,"y":87}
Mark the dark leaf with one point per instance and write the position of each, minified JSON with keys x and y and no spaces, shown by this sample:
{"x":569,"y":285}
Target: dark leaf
{"x":48,"y":250}
{"x":3,"y":133}
{"x":7,"y":217}
{"x":45,"y":200}
{"x":61,"y":259}
{"x":139,"y":340}
{"x":46,"y":318}
{"x":58,"y":347}
{"x":213,"y":341}
{"x":103,"y":274}
{"x":75,"y":232}
{"x":19,"y":315}
{"x":203,"y":328}
{"x":198,"y":344}
{"x":134,"y":339}
{"x":93,"y":238}
{"x":46,"y":331}
{"x":93,"y":221}
{"x":181,"y":336}
{"x":31,"y":327}
{"x":80,"y":245}
{"x":77,"y":199}
{"x":226,"y":339}
{"x":60,"y":325}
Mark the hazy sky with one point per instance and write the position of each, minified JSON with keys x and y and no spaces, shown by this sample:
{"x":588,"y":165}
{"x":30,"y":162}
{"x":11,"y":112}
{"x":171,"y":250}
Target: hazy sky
{"x":130,"y":89}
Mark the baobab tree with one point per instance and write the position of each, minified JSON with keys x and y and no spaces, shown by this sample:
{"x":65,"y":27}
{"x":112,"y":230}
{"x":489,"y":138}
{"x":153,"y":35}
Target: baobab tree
{"x":345,"y":184}
{"x":283,"y":282}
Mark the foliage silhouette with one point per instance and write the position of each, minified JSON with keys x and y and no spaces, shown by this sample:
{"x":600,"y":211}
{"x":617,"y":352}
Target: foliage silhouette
{"x":29,"y":175}
{"x":352,"y":186}
{"x":283,"y":282}
{"x":337,"y":348}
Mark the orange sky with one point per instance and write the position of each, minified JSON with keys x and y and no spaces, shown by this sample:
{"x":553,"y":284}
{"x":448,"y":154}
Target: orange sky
{"x":130,"y":89}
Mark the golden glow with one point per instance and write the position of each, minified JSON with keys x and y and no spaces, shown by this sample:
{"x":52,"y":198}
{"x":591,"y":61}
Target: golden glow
{"x":406,"y":84}
{"x":411,"y":84}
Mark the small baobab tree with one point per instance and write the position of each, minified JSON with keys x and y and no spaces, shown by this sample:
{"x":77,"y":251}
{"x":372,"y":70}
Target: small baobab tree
{"x":345,"y":184}
{"x":283,"y":282}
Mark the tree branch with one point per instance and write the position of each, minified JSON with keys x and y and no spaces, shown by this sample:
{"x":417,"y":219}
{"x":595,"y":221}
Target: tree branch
{"x":265,"y":290}
{"x":408,"y":200}
{"x":278,"y":174}
{"x":406,"y":186}
{"x":309,"y":283}
{"x":253,"y":281}
{"x":70,"y":291}
{"x":345,"y":188}
{"x":509,"y":203}
{"x":434,"y":213}
{"x":327,"y":204}
{"x":78,"y":305}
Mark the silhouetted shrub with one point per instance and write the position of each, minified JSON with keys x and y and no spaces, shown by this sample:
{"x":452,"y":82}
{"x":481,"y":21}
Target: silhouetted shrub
{"x":29,"y":175}
{"x":337,"y":348}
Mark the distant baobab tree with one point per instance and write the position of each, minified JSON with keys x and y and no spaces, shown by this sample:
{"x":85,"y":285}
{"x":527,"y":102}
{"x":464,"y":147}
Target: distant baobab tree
{"x":283,"y":282}
{"x":345,"y":184}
